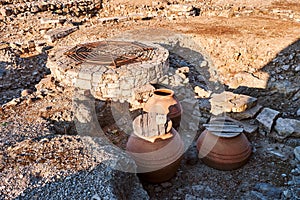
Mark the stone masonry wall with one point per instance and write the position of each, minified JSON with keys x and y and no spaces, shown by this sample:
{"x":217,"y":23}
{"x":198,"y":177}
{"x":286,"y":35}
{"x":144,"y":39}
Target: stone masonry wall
{"x":104,"y":82}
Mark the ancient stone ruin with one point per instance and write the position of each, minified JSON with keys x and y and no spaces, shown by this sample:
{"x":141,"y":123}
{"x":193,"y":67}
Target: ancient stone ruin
{"x":111,"y":70}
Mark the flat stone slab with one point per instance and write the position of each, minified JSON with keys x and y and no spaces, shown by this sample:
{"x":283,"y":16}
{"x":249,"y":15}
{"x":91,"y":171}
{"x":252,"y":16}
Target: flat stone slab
{"x":57,"y":33}
{"x":266,"y":119}
{"x":286,"y":127}
{"x":227,"y":102}
{"x":247,"y":114}
{"x":255,"y":80}
{"x":248,"y":126}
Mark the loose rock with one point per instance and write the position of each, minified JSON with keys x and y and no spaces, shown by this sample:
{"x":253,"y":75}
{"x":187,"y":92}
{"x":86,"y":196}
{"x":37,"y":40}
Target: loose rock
{"x":286,"y":127}
{"x":230,"y":102}
{"x":266,"y":119}
{"x":249,"y":113}
{"x":297,"y":153}
{"x":26,"y":92}
{"x":201,"y":92}
{"x":55,"y":34}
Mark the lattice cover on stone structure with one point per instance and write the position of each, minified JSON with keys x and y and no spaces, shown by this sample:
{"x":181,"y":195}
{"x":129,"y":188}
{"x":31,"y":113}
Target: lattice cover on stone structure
{"x":115,"y":70}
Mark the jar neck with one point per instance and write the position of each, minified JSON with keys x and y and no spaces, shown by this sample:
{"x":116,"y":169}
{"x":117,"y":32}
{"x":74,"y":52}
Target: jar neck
{"x":163,"y":93}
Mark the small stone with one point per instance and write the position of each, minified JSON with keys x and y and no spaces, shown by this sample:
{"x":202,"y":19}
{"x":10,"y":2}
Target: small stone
{"x":26,"y":92}
{"x":298,"y":112}
{"x":201,"y":92}
{"x":287,"y":194}
{"x":29,"y":101}
{"x":297,"y":153}
{"x":157,"y":189}
{"x":35,"y":9}
{"x":31,"y":45}
{"x":6,"y":11}
{"x":268,"y":190}
{"x":12,"y":102}
{"x":180,"y":8}
{"x":52,"y":21}
{"x":3,"y":45}
{"x":34,"y":73}
{"x":192,"y":157}
{"x":183,"y":70}
{"x":108,"y":19}
{"x":297,"y":68}
{"x":83,"y":114}
{"x":190,"y":197}
{"x":204,"y":63}
{"x":285,"y":67}
{"x":182,"y":75}
{"x":2,"y":72}
{"x":266,"y":119}
{"x":166,"y":184}
{"x":204,"y":105}
{"x":296,"y":96}
{"x":286,"y":127}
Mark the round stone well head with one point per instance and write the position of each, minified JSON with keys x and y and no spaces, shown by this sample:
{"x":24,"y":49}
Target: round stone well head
{"x":110,"y":70}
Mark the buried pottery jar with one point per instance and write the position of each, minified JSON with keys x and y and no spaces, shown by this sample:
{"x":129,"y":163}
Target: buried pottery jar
{"x":157,"y":158}
{"x":164,"y":101}
{"x":223,"y":152}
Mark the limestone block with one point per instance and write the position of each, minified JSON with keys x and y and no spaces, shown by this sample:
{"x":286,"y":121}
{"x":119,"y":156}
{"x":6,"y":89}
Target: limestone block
{"x":112,"y":92}
{"x":57,"y":33}
{"x":266,"y":120}
{"x":83,"y":84}
{"x":113,"y":85}
{"x":286,"y":127}
{"x":230,"y":102}
{"x":124,"y":85}
{"x":127,"y":93}
{"x":96,"y":77}
{"x":257,"y":80}
{"x":87,"y":75}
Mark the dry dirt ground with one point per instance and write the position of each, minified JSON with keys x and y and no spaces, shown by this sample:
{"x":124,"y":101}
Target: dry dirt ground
{"x":247,"y":44}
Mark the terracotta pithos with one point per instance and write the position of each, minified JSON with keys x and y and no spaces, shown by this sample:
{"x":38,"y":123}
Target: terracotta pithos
{"x":223,"y":153}
{"x":156,"y":161}
{"x":164,"y":101}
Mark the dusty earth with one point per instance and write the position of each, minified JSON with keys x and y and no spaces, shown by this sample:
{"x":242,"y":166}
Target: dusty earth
{"x":253,"y":47}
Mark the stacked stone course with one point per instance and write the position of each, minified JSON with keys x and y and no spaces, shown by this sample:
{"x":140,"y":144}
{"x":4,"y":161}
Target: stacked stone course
{"x":77,"y":7}
{"x":105,"y":82}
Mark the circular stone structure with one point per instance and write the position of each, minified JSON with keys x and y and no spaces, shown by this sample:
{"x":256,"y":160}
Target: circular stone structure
{"x":110,"y":70}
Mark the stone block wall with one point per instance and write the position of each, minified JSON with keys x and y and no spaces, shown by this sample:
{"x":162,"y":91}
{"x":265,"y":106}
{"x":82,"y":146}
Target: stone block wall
{"x":105,"y":82}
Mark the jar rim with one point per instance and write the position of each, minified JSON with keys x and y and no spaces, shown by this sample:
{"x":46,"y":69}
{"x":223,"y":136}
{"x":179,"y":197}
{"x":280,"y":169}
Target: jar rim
{"x":163,"y":92}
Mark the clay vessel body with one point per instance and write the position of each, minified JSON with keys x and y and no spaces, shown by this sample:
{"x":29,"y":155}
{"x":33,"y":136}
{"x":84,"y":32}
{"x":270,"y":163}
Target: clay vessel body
{"x":156,"y":161}
{"x":223,"y":153}
{"x":164,"y":101}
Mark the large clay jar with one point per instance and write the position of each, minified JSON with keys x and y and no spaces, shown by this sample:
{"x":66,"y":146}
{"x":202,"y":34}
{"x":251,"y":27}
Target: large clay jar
{"x":156,"y":161}
{"x":164,"y":101}
{"x":223,"y":153}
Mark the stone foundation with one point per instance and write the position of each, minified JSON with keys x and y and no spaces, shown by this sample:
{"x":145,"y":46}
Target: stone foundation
{"x":125,"y":83}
